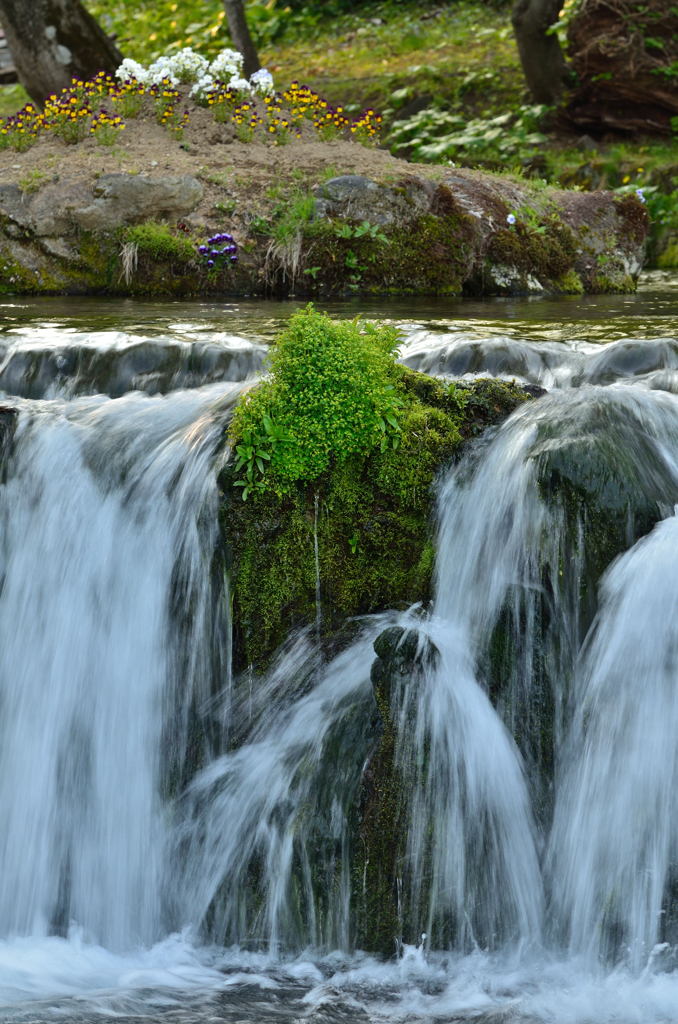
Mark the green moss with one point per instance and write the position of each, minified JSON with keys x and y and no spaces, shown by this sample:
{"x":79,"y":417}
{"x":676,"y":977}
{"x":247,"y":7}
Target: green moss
{"x":636,"y":220}
{"x":547,"y":251}
{"x":382,"y":911}
{"x":372,"y":514}
{"x":14,"y":277}
{"x":668,"y":258}
{"x":570,"y":283}
{"x":611,"y":283}
{"x":99,"y":254}
{"x":156,"y":241}
{"x":430,"y":256}
{"x":17,"y":278}
{"x":379,"y":833}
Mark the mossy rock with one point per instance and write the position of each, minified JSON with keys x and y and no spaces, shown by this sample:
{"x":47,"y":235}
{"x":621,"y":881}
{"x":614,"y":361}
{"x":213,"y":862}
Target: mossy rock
{"x":607,"y":472}
{"x":547,"y":253}
{"x":372,"y":516}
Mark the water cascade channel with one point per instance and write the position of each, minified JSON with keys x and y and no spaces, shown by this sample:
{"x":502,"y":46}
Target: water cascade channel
{"x":179,"y":845}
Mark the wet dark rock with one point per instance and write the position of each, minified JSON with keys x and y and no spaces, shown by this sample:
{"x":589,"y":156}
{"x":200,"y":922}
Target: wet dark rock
{"x":509,"y":357}
{"x":150,"y":366}
{"x":631,"y":358}
{"x":611,"y":478}
{"x":8,"y":421}
{"x":401,"y":653}
{"x":404,"y":657}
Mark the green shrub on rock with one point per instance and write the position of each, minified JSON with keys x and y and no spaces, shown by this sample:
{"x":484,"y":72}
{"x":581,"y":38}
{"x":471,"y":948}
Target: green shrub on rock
{"x":333,"y":393}
{"x":338,"y":451}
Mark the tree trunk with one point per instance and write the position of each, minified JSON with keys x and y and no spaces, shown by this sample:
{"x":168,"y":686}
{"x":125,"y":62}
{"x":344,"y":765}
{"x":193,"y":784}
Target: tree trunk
{"x":53,"y":40}
{"x":240,"y":34}
{"x":624,"y":55}
{"x":540,"y":54}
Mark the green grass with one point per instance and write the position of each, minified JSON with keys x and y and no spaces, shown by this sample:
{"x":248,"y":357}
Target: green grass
{"x":12,"y":98}
{"x":390,"y":55}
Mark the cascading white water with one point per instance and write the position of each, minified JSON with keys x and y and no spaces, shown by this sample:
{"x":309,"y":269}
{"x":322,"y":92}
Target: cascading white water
{"x":615,"y":837}
{"x":259,"y":816}
{"x":106,"y":506}
{"x":467,"y":807}
{"x":501,"y":546}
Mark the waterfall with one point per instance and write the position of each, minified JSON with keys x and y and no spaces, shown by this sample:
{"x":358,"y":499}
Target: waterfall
{"x":615,"y":838}
{"x":267,"y":832}
{"x":109,"y":508}
{"x":512,"y":564}
{"x":165,"y":824}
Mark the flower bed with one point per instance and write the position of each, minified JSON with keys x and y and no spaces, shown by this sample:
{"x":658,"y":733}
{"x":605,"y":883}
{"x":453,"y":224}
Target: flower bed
{"x":171,"y":88}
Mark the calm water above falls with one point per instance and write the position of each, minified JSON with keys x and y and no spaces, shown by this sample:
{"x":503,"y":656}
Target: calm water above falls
{"x":125,"y":877}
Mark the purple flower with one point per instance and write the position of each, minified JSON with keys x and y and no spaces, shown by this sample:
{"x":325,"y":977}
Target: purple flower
{"x":202,"y":248}
{"x":210,"y":263}
{"x":215,"y":252}
{"x":234,"y":259}
{"x":641,"y":195}
{"x":511,"y":218}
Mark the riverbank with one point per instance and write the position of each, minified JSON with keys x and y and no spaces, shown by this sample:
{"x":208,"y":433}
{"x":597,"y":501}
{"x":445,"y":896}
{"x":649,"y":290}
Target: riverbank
{"x":312,"y":217}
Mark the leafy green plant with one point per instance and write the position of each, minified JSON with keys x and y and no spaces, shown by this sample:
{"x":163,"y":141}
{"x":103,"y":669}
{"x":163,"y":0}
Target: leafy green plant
{"x":356,"y":262}
{"x":292,"y":215}
{"x":362,"y":230}
{"x":458,"y":395}
{"x":228,"y":206}
{"x":437,"y":135}
{"x":333,"y":392}
{"x":254,"y":452}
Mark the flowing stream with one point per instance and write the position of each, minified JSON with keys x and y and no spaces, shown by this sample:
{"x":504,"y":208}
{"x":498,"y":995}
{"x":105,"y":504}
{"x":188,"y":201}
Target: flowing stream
{"x":177,"y":846}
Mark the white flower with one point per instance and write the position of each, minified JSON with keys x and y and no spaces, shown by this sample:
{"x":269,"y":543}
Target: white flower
{"x":160,"y":69}
{"x":239,"y":85}
{"x":511,"y":218}
{"x":131,"y":69}
{"x":187,"y":65}
{"x":262,"y":82}
{"x":202,"y":87}
{"x":641,"y":195}
{"x":227,"y":64}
